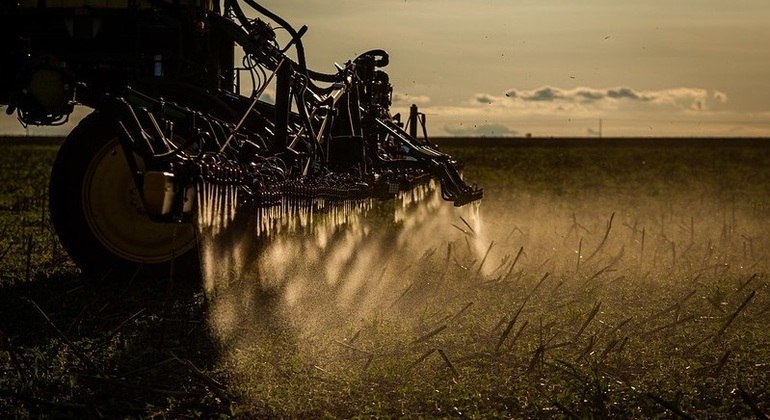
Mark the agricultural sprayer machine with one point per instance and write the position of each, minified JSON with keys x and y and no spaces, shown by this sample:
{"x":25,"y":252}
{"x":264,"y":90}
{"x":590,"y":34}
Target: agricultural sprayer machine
{"x":169,"y":116}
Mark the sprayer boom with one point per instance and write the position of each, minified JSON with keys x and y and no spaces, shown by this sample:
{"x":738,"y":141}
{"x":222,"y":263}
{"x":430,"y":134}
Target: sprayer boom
{"x":166,"y":93}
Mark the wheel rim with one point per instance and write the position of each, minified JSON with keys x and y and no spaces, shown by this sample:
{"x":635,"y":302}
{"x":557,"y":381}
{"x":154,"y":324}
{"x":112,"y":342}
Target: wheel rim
{"x":114,"y":211}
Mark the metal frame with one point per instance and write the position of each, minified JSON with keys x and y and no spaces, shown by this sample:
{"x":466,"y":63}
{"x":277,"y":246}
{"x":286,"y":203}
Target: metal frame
{"x":326,"y":135}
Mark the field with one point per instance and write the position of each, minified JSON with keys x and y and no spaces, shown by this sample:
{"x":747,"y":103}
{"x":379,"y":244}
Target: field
{"x":595,"y":280}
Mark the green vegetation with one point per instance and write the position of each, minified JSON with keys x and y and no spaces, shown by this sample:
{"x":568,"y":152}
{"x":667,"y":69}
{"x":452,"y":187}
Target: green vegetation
{"x":627,"y":282}
{"x":28,"y":246}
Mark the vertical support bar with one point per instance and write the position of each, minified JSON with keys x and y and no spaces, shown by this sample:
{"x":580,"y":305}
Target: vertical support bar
{"x":413,"y":121}
{"x":282,"y":104}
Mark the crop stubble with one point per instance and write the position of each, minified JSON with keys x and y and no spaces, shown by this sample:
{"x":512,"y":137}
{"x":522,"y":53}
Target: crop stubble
{"x":595,"y":281}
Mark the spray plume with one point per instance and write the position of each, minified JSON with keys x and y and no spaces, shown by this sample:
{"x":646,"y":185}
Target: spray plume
{"x":308,"y":265}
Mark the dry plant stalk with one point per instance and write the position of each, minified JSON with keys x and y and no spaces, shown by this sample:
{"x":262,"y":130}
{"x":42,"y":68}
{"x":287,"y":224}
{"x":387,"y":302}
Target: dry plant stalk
{"x":462,"y":311}
{"x":448,"y":362}
{"x":579,"y":255}
{"x":28,"y":272}
{"x":473,"y":232}
{"x":75,"y":349}
{"x":722,"y":362}
{"x":351,"y":347}
{"x":604,"y":239}
{"x":751,"y":402}
{"x":420,"y":359}
{"x":538,"y":356}
{"x":483,"y":260}
{"x":669,"y":325}
{"x":206,"y":379}
{"x":518,"y":312}
{"x":675,"y":306}
{"x":588,"y":320}
{"x":429,"y":335}
{"x":518,"y":333}
{"x":513,"y":264}
{"x":674,"y":408}
{"x":735,"y":314}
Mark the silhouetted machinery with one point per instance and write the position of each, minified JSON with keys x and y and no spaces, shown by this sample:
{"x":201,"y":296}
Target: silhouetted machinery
{"x":169,"y":114}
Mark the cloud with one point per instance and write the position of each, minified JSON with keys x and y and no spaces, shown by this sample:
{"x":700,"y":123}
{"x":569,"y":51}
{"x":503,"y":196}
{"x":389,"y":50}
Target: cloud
{"x":405,"y":98}
{"x":481,"y":130}
{"x":616,"y":94}
{"x":543,"y":94}
{"x":550,"y":110}
{"x":589,"y":95}
{"x":550,"y":99}
{"x":720,"y":97}
{"x":484,"y":98}
{"x":626,"y":93}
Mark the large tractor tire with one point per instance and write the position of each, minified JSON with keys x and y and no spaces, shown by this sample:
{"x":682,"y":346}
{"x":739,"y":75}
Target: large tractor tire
{"x":98,"y":213}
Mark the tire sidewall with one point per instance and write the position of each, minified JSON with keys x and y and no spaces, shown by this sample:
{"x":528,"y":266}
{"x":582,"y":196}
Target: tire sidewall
{"x":68,"y":174}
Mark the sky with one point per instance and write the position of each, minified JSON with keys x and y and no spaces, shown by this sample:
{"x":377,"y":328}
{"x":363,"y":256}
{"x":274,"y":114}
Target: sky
{"x":555,"y":67}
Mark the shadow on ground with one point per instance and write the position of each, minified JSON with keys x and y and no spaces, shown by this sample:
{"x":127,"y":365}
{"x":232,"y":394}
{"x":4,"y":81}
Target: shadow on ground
{"x":72,"y":347}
